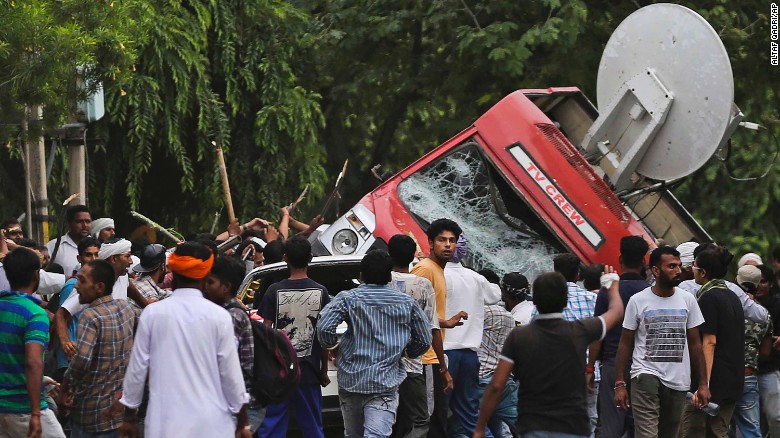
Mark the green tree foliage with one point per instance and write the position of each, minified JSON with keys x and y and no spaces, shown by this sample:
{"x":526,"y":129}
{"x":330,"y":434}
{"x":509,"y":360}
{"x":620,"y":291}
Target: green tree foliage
{"x":222,"y":71}
{"x":292,"y":89}
{"x":400,"y":77}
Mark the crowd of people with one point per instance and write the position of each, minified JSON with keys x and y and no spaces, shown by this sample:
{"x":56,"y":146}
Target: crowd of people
{"x":104,"y":337}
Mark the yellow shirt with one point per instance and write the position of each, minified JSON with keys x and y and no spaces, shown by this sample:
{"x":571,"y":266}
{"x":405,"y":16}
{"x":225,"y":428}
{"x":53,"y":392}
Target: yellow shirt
{"x":429,"y":269}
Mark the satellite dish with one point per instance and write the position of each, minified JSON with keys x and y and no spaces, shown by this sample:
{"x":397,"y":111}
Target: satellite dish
{"x":665,"y":91}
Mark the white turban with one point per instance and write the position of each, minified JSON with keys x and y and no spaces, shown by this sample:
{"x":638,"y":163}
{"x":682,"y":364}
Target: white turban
{"x":111,"y":249}
{"x":101,"y":224}
{"x":751,"y":256}
{"x":686,"y":253}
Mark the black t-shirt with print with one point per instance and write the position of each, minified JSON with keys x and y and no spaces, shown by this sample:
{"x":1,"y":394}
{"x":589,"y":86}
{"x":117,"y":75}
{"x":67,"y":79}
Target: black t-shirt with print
{"x":549,"y":364}
{"x":294,"y":306}
{"x":724,"y":318}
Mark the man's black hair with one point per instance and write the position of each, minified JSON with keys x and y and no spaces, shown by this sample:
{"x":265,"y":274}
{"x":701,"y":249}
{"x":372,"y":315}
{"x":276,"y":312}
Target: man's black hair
{"x":714,"y":261}
{"x":73,"y":210}
{"x":298,"y":252}
{"x":20,"y":267}
{"x":87,"y":242}
{"x":138,"y":245}
{"x":439,"y":225}
{"x":568,"y":265}
{"x":767,"y":273}
{"x":192,"y":249}
{"x":242,"y":246}
{"x":591,"y":276}
{"x":703,"y":247}
{"x":8,"y":222}
{"x":273,"y":252}
{"x":655,"y":256}
{"x":211,"y":244}
{"x":490,"y":275}
{"x":376,"y":267}
{"x":632,"y":251}
{"x":401,"y":249}
{"x":55,"y":268}
{"x":550,"y":292}
{"x":776,"y":252}
{"x":102,"y":272}
{"x":229,"y":270}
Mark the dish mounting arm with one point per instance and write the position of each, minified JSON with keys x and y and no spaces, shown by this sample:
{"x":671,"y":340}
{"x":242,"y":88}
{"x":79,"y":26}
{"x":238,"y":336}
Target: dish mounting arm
{"x":644,"y":101}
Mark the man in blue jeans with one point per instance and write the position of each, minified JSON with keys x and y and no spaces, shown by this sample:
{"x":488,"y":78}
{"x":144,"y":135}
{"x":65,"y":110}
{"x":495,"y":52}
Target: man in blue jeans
{"x":758,"y":339}
{"x":467,"y":292}
{"x":383,"y":324}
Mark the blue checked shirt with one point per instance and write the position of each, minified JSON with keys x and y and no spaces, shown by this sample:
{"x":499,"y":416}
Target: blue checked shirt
{"x":383,"y":324}
{"x":581,"y":304}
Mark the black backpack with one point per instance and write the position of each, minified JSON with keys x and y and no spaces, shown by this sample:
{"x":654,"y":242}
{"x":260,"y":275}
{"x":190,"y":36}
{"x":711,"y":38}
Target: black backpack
{"x":276,"y":372}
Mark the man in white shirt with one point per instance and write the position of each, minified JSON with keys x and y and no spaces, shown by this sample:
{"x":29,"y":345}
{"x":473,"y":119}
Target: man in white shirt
{"x":186,"y":346}
{"x":661,"y":341}
{"x":79,"y":223}
{"x":467,"y":291}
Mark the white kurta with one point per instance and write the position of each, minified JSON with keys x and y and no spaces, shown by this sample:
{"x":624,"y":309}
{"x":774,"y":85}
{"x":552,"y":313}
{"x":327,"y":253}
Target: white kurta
{"x":187,"y":346}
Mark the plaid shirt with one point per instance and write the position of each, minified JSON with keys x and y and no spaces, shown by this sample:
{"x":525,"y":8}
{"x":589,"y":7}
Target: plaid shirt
{"x":498,"y":324}
{"x":242,"y":328}
{"x":149,"y":289}
{"x":104,"y":339}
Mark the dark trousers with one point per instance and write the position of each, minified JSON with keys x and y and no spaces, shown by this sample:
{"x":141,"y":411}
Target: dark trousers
{"x":307,"y":403}
{"x":656,"y":407}
{"x":613,"y":421}
{"x":411,"y":420}
{"x":438,"y":424}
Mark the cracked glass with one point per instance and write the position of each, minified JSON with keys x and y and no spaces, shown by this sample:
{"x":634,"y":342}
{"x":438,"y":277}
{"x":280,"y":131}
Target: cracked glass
{"x":503,"y":233}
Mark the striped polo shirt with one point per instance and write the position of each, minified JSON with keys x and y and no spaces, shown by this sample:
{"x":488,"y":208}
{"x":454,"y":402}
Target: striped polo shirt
{"x":22,"y":321}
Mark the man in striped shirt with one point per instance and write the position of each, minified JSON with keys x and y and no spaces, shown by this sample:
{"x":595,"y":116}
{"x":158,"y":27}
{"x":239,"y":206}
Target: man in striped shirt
{"x":383,"y":325}
{"x":24,"y":336}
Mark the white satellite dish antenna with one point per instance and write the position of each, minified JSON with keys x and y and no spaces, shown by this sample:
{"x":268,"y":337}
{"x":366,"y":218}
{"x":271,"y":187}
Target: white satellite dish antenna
{"x":665,"y":95}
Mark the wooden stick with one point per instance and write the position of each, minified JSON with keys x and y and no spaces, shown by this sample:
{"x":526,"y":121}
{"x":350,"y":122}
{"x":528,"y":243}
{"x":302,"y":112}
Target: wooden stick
{"x":225,"y":183}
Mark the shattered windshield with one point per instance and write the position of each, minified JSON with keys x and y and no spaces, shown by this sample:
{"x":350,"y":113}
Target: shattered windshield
{"x":503,"y":233}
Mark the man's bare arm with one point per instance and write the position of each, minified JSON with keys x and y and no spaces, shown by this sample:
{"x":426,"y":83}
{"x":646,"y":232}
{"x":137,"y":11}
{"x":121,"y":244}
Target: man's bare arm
{"x":699,"y":366}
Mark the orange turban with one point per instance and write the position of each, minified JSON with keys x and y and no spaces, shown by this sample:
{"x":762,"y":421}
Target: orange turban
{"x":190,"y":267}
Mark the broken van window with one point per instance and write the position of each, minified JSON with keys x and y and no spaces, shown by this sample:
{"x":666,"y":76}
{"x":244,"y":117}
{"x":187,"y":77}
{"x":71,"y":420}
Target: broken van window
{"x":503,"y":233}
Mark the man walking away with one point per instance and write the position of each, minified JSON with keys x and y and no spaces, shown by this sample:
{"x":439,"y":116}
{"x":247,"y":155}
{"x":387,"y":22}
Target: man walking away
{"x":104,"y":342}
{"x":24,"y":336}
{"x":185,"y":344}
{"x":383,"y":324}
{"x":412,"y":417}
{"x":614,"y":422}
{"x":467,"y":291}
{"x":660,"y":341}
{"x":546,"y":358}
{"x":293,"y":305}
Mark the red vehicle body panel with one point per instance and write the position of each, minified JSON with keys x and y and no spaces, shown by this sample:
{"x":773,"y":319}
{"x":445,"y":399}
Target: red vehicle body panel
{"x":543,"y":167}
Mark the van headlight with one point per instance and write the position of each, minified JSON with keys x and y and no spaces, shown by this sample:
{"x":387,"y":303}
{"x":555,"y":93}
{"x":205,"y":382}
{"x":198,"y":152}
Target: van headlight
{"x":345,"y":242}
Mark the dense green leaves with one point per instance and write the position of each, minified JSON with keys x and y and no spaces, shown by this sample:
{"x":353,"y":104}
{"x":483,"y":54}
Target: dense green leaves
{"x":292,"y":89}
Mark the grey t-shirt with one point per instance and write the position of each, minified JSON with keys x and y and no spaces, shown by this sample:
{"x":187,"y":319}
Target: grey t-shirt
{"x":421,"y":291}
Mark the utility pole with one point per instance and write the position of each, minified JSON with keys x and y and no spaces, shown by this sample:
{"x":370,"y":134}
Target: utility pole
{"x":35,"y":176}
